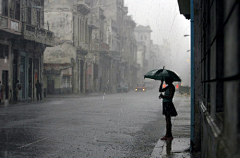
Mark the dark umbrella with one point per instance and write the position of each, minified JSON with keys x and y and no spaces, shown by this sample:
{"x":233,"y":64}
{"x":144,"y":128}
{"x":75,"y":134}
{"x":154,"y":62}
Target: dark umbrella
{"x":160,"y":74}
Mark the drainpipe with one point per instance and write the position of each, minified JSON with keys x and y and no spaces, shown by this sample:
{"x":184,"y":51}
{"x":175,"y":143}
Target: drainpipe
{"x":192,"y":74}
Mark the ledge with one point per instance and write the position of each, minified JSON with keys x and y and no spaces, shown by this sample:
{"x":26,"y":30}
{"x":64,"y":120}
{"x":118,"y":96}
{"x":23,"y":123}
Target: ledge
{"x":209,"y":120}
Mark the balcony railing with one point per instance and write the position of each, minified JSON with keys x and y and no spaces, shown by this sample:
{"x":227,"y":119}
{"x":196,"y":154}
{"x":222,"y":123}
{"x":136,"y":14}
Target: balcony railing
{"x":10,"y":25}
{"x":29,"y":32}
{"x":40,"y":35}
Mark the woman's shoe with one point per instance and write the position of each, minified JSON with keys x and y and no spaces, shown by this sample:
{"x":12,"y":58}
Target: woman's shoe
{"x":164,"y":138}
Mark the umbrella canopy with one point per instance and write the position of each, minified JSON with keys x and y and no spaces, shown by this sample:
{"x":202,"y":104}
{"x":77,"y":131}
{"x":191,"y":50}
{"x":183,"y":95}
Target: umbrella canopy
{"x":160,"y":74}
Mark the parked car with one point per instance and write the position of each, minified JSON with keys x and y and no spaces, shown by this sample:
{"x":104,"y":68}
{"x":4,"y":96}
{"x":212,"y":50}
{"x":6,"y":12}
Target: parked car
{"x":122,"y":88}
{"x":140,"y":87}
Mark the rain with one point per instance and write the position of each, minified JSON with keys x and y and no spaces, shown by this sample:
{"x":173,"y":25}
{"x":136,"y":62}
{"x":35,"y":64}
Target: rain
{"x":119,"y":78}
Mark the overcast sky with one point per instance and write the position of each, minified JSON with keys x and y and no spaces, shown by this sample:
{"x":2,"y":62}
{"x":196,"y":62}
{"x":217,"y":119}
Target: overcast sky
{"x":167,"y":23}
{"x":162,"y":15}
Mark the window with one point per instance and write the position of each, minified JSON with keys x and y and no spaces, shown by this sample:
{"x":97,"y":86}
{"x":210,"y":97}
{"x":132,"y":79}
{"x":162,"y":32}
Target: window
{"x":38,"y":13}
{"x":29,"y":15}
{"x":5,"y":7}
{"x":38,"y":18}
{"x":66,"y":82}
{"x":17,"y":10}
{"x":3,"y":51}
{"x":206,"y":62}
{"x":220,"y":54}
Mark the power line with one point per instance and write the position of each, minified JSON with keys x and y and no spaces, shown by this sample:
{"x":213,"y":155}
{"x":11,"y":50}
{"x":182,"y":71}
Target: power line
{"x":173,"y":21}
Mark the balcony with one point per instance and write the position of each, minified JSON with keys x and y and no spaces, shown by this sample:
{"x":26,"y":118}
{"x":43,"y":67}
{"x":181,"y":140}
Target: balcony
{"x":81,"y":52}
{"x":10,"y":25}
{"x":39,"y":35}
{"x":100,"y":47}
{"x":103,"y":47}
{"x":92,"y":24}
{"x":83,"y":7}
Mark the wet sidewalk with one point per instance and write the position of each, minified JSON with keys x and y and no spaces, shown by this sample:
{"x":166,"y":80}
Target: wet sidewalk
{"x":179,"y":147}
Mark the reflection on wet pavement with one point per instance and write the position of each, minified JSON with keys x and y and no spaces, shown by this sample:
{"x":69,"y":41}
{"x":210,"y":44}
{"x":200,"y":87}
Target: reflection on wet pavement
{"x":169,"y":147}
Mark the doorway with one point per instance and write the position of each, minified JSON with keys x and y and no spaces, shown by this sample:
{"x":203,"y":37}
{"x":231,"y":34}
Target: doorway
{"x":15,"y":73}
{"x":5,"y":83}
{"x":50,"y":87}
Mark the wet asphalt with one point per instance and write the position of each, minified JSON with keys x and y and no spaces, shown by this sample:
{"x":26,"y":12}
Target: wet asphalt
{"x":116,"y":125}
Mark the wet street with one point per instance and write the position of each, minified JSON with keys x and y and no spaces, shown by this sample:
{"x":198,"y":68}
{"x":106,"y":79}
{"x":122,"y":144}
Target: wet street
{"x":116,"y":125}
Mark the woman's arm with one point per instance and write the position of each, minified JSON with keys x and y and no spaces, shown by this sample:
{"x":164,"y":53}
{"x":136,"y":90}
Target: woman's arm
{"x":171,"y":91}
{"x":160,"y":87}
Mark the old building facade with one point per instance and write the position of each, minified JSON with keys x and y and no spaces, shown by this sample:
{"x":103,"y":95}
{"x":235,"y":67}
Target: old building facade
{"x":143,"y":34}
{"x":141,"y":60}
{"x":69,"y":22}
{"x":130,"y":52}
{"x":114,"y":10}
{"x":159,"y":58}
{"x":100,"y":48}
{"x":23,"y":41}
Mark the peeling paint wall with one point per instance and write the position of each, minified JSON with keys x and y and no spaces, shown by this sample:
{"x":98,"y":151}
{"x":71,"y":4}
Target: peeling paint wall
{"x":60,"y":54}
{"x":61,"y":24}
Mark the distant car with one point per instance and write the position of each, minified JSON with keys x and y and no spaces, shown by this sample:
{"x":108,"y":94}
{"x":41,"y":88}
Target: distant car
{"x":122,"y":88}
{"x":140,"y":87}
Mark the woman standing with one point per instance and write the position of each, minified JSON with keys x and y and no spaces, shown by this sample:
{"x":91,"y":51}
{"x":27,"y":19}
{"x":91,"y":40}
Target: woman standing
{"x":168,"y":107}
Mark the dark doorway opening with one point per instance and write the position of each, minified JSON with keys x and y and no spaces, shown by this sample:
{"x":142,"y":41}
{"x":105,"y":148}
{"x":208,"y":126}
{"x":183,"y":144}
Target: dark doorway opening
{"x":50,"y":87}
{"x":5,"y":83}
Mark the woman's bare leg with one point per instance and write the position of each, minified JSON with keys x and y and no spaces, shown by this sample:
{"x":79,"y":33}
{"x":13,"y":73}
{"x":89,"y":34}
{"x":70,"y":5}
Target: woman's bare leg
{"x":168,"y":126}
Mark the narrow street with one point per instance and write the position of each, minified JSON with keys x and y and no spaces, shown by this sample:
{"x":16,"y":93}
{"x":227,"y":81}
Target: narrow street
{"x":116,"y":125}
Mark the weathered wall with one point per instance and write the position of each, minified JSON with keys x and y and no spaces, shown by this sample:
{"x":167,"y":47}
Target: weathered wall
{"x":61,"y":23}
{"x":60,"y":54}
